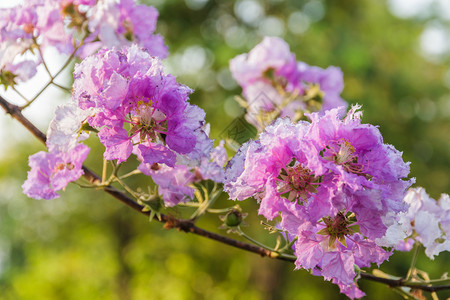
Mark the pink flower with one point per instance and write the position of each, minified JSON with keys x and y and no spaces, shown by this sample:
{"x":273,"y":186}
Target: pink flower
{"x":335,"y":184}
{"x":63,"y":24}
{"x":332,"y":248}
{"x":123,"y":23}
{"x":426,"y":221}
{"x":275,"y":85}
{"x":52,"y":171}
{"x":139,"y":109}
{"x":174,"y":183}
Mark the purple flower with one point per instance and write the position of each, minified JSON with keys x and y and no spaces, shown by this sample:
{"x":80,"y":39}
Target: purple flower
{"x":275,"y":85}
{"x":52,"y":171}
{"x":272,"y":54}
{"x":124,"y":22}
{"x":426,"y":221}
{"x":276,"y":171}
{"x":368,"y":174}
{"x":174,"y":183}
{"x":335,"y":184}
{"x":329,"y":80}
{"x":65,"y":130}
{"x":322,"y":167}
{"x":139,"y":108}
{"x":332,"y":248}
{"x":62,"y":24}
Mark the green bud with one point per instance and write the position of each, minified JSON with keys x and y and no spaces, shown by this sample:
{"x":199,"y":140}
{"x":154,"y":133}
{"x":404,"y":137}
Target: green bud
{"x":7,"y":78}
{"x":86,"y":127}
{"x":233,"y":218}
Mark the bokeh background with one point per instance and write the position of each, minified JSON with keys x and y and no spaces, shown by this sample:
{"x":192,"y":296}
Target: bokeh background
{"x":85,"y":245}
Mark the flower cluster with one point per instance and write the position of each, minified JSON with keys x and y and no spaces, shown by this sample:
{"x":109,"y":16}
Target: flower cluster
{"x":78,"y":27}
{"x":426,"y":221}
{"x":336,"y":188}
{"x":137,"y":107}
{"x":175,"y":183}
{"x":276,"y":85}
{"x":52,"y":171}
{"x":122,"y":23}
{"x":125,"y":96}
{"x":333,"y":181}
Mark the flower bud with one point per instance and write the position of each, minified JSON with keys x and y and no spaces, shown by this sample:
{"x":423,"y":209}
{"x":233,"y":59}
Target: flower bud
{"x":233,"y":218}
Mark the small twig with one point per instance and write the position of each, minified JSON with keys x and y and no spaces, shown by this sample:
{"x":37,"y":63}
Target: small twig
{"x":62,"y":87}
{"x":413,"y":261}
{"x":42,"y":57}
{"x":53,"y":77}
{"x":19,"y":93}
{"x":134,"y":172}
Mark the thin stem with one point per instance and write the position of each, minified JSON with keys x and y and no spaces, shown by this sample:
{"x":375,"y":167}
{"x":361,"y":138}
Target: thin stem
{"x":244,"y":235}
{"x":104,"y":169}
{"x":19,"y":93}
{"x":218,"y":210}
{"x":37,"y":95}
{"x":413,"y":261}
{"x":210,"y":210}
{"x":52,"y":78}
{"x":272,"y":250}
{"x":62,"y":87}
{"x":42,"y":57}
{"x":127,"y":188}
{"x":208,"y":201}
{"x":134,"y":172}
{"x":433,"y":281}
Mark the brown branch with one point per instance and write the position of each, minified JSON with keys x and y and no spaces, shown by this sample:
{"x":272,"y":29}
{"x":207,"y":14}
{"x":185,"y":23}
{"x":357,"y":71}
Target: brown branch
{"x":15,"y":112}
{"x":169,"y":222}
{"x":187,"y":225}
{"x":402,"y":282}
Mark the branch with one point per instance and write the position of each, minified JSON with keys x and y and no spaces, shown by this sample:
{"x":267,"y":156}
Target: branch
{"x":169,"y":222}
{"x":402,"y":282}
{"x":187,"y":225}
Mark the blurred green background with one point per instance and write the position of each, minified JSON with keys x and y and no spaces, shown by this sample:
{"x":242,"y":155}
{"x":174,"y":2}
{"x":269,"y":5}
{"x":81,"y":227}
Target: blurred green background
{"x":86,"y":245}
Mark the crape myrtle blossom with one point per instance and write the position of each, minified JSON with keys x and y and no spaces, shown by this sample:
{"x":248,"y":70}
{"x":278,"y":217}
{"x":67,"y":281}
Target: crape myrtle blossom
{"x":332,"y":248}
{"x":275,"y":85}
{"x":69,"y":25}
{"x":321,"y":167}
{"x":426,"y":221}
{"x":175,"y":183}
{"x":126,"y":98}
{"x":53,"y":170}
{"x":334,"y":183}
{"x":118,"y":23}
{"x":41,"y":21}
{"x":368,"y":173}
{"x":13,"y":73}
{"x":66,"y":128}
{"x":140,"y":109}
{"x":273,"y":169}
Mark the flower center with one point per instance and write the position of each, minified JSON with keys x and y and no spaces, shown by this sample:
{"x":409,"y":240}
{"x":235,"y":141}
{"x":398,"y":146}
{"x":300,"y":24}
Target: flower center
{"x":336,"y":229}
{"x":343,"y":153}
{"x":63,"y":166}
{"x":297,"y":182}
{"x":149,"y":122}
{"x":28,"y":28}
